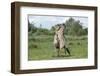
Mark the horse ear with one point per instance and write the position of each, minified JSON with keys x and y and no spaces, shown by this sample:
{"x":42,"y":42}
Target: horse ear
{"x":63,"y":24}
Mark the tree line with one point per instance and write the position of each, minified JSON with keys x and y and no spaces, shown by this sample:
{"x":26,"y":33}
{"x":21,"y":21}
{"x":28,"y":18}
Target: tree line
{"x":72,"y":27}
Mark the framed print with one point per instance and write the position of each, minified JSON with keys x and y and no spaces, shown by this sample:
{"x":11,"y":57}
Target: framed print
{"x":52,"y":37}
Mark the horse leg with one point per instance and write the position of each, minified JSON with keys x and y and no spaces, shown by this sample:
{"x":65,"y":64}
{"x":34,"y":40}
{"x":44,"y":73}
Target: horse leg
{"x":66,"y":50}
{"x":58,"y":52}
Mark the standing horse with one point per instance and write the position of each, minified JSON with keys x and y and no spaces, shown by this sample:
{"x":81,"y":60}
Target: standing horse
{"x":59,"y":40}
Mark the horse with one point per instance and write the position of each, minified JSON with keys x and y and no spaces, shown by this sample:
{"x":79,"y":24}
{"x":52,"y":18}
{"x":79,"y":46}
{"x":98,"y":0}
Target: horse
{"x":59,"y":39}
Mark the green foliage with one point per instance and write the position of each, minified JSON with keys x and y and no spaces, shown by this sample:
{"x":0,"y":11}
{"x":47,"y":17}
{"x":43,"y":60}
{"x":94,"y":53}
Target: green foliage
{"x":42,"y":48}
{"x":31,"y":27}
{"x":74,"y":28}
{"x":42,"y":31}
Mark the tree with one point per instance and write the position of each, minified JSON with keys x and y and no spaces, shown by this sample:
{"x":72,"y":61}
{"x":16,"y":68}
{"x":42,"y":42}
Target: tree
{"x":31,"y":27}
{"x":74,"y":27}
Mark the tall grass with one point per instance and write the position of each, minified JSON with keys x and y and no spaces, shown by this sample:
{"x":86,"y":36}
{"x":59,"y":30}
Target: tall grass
{"x":41,"y":47}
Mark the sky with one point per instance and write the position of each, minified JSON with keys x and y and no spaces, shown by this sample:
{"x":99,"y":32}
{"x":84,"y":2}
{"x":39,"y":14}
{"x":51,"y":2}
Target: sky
{"x":49,"y":21}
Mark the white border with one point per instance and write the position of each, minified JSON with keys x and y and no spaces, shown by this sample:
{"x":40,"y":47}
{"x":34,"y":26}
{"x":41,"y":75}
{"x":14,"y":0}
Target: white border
{"x":25,"y":64}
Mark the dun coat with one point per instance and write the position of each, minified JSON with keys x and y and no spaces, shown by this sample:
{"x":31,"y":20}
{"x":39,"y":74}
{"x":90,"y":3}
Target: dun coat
{"x":59,"y":40}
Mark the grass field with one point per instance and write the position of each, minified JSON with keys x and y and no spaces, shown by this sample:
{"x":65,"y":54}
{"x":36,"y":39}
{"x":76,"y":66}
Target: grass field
{"x":42,"y":48}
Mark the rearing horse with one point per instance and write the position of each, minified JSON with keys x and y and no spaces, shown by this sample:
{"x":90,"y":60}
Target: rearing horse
{"x":59,"y":40}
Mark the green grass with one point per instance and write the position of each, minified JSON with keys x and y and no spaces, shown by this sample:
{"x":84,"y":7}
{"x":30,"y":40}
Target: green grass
{"x":42,"y":48}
